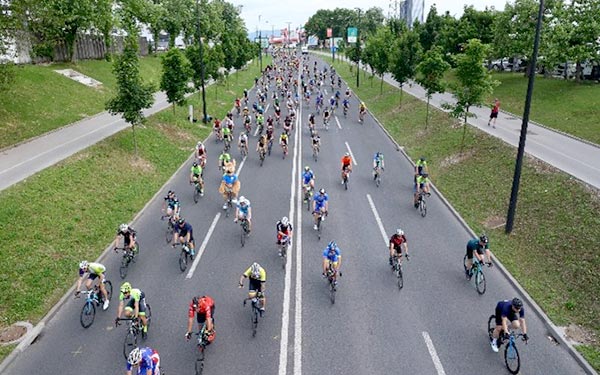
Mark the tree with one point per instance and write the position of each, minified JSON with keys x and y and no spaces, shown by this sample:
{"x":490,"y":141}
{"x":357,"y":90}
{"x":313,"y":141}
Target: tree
{"x":582,"y":33}
{"x":132,"y":94}
{"x":177,"y":14}
{"x":431,"y":72}
{"x":175,"y":77}
{"x":473,"y":81}
{"x":378,"y":52}
{"x":428,"y":32}
{"x":406,"y":52}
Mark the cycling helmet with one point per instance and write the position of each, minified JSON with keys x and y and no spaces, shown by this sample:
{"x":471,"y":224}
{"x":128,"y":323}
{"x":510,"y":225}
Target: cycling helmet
{"x":307,"y":168}
{"x":424,"y":175}
{"x":255,"y":270}
{"x":170,"y":192}
{"x":135,"y":356}
{"x":125,"y":287}
{"x":195,"y":164}
{"x":123,"y":227}
{"x":483,"y":238}
{"x":243,"y":200}
{"x":331,"y":246}
{"x":83,"y":264}
{"x":399,"y":232}
{"x":422,"y":158}
{"x":322,"y":191}
{"x":181,"y":221}
{"x":517,"y":303}
{"x":285,"y":221}
{"x":347,"y":154}
{"x":199,"y":144}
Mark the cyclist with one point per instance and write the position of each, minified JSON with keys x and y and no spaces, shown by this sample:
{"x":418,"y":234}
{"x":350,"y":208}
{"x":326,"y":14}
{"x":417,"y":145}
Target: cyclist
{"x":378,"y":164}
{"x":478,"y":246}
{"x":421,"y":185}
{"x":362,"y":109}
{"x":146,"y":358}
{"x":196,"y":177}
{"x":94,"y":271}
{"x":231,"y":182}
{"x":316,"y":141}
{"x":258,"y":278}
{"x":226,"y":161}
{"x":326,"y":116}
{"x":244,"y":211}
{"x":287,"y":124}
{"x":201,"y":154}
{"x":311,"y":122}
{"x":217,"y":130}
{"x":229,"y":122}
{"x":238,"y":105}
{"x":128,"y":235}
{"x":227,"y":136}
{"x":246,"y":112}
{"x":332,"y":255}
{"x":260,"y":120}
{"x":204,"y":309}
{"x":398,"y":242}
{"x":132,"y":301}
{"x":346,"y":166}
{"x":283,"y":141}
{"x":332,"y":103}
{"x":421,"y":167}
{"x":171,"y":204}
{"x":261,"y":145}
{"x":246,"y":97}
{"x":506,"y":311}
{"x":284,"y":229}
{"x":320,"y":206}
{"x":243,"y":142}
{"x":183,"y":233}
{"x":346,"y":105}
{"x":308,"y":178}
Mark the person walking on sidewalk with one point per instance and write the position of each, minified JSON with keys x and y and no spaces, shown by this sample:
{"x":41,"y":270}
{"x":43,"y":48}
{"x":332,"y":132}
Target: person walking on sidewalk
{"x":494,"y":114}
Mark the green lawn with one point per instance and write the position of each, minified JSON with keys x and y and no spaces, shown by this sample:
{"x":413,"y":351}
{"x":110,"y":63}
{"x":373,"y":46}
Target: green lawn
{"x":552,"y":250}
{"x":41,"y":100}
{"x":30,"y":285}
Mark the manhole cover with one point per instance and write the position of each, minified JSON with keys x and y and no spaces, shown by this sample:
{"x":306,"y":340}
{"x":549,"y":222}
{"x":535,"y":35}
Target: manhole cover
{"x":14,"y":333}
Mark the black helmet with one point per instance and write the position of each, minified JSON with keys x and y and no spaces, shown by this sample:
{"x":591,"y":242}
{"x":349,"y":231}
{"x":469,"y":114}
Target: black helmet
{"x":422,"y":158}
{"x":181,"y":221}
{"x":195,"y":164}
{"x":483,"y":238}
{"x":517,"y":303}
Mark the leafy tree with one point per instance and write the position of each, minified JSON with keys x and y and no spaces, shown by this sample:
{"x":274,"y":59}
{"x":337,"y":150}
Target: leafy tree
{"x":582,"y":23}
{"x":406,"y":53}
{"x":175,"y":76}
{"x":371,"y":20}
{"x":132,"y":94}
{"x":104,"y":21}
{"x":431,"y":72}
{"x":475,"y":24}
{"x":473,"y":81}
{"x":378,"y":52}
{"x":177,"y":14}
{"x":447,"y":37}
{"x":428,"y":31}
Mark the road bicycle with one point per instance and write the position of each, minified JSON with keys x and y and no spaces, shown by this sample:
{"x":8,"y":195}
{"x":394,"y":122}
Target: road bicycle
{"x":332,"y":280}
{"x":226,"y":143}
{"x":186,"y":255}
{"x":345,"y":178}
{"x":284,"y":245}
{"x":218,"y":134}
{"x":345,"y":111}
{"x":244,"y":149}
{"x":421,"y":204}
{"x":198,"y":192}
{"x":261,"y":155}
{"x":269,"y":146}
{"x":326,"y":123}
{"x":170,"y":228}
{"x":377,"y":175}
{"x":284,"y":149}
{"x":319,"y":224}
{"x":397,"y":268}
{"x":135,"y":329}
{"x":308,"y":193}
{"x":244,"y":231}
{"x":93,"y":298}
{"x":129,"y":256}
{"x":512,"y":360}
{"x":476,"y":274}
{"x":361,"y":117}
{"x":202,"y":343}
{"x":229,"y":204}
{"x":315,"y":149}
{"x":255,"y":310}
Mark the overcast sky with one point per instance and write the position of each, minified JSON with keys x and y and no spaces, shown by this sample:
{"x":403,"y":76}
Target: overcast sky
{"x":278,"y":12}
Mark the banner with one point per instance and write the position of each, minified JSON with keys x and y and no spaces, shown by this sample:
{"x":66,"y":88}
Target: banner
{"x":329,"y":32}
{"x":352,"y":34}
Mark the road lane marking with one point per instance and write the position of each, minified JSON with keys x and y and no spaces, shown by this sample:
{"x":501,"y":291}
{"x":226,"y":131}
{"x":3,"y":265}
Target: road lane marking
{"x":436,"y":360}
{"x":351,"y":154}
{"x":203,"y":246}
{"x":338,"y":122}
{"x":377,"y":219}
{"x":298,"y":306}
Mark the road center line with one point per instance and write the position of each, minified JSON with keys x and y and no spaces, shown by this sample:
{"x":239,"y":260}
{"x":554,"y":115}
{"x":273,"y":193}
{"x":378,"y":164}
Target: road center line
{"x":377,"y":219}
{"x":203,"y":246}
{"x":338,"y":123}
{"x":351,"y":154}
{"x":436,"y":360}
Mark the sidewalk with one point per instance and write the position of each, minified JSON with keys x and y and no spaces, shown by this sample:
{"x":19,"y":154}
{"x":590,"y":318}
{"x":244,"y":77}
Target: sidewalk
{"x":578,"y":158}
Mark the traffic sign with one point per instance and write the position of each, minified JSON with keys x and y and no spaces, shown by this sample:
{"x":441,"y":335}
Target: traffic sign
{"x":352,"y":34}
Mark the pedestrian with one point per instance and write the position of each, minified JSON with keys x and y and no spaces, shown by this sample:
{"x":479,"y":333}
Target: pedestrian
{"x":495,"y":110}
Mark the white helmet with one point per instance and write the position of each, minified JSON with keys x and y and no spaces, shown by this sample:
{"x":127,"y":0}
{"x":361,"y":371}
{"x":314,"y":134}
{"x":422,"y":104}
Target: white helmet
{"x":123,"y":227}
{"x":255,"y":270}
{"x":399,"y":232}
{"x":285,"y":221}
{"x":135,"y":356}
{"x":83,"y":264}
{"x":199,"y":144}
{"x":243,"y":200}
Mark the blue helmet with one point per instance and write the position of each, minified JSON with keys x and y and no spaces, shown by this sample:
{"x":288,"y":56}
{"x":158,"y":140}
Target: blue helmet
{"x":332,"y":246}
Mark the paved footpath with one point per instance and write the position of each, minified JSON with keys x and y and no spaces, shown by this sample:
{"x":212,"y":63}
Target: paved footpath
{"x":578,"y":158}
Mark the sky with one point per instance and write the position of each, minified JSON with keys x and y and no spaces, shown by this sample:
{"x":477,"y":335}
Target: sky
{"x":274,"y":14}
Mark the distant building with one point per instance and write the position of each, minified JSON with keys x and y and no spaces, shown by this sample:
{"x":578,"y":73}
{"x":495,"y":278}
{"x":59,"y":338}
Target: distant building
{"x":410,"y":11}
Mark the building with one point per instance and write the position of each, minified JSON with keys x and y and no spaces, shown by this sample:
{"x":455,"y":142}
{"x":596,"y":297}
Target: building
{"x":410,"y":11}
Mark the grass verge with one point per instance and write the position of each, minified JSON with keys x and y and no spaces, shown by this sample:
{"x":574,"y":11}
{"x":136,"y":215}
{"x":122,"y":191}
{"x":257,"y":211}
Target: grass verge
{"x":41,"y":100}
{"x":557,"y":220}
{"x":40,"y":267}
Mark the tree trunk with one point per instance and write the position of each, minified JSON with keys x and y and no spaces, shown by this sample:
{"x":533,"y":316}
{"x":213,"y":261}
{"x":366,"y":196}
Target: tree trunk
{"x":462,"y":144}
{"x":134,"y":141}
{"x":401,"y":92}
{"x":71,"y":42}
{"x":578,"y":72}
{"x":427,"y":115}
{"x":173,"y":108}
{"x":381,"y":86}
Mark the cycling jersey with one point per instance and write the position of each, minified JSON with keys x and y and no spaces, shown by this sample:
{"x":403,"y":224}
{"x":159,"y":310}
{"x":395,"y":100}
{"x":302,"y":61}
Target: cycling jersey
{"x":397,"y":241}
{"x":504,"y":310}
{"x":93,"y":269}
{"x":422,"y":180}
{"x":183,"y":231}
{"x":204,"y":306}
{"x":243,"y":138}
{"x":316,"y":140}
{"x":243,"y":209}
{"x":320,"y":200}
{"x":150,"y":361}
{"x":307,"y":176}
{"x":474,"y":245}
{"x":421,"y":164}
{"x":262,"y":277}
{"x":128,"y":235}
{"x":283,"y":139}
{"x":285,"y":229}
{"x":226,"y":132}
{"x":333,"y":256}
{"x":229,"y":178}
{"x":135,"y":295}
{"x":201,"y":151}
{"x":196,"y":171}
{"x":378,"y":159}
{"x":346,"y":161}
{"x":171,"y":202}
{"x":225,"y":158}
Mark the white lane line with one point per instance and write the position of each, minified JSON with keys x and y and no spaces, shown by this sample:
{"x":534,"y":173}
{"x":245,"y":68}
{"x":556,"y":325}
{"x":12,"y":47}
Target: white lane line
{"x":298,"y":306}
{"x":203,"y":246}
{"x":436,"y":360}
{"x":241,"y":166}
{"x":338,"y":124}
{"x":351,"y":154}
{"x":377,"y":219}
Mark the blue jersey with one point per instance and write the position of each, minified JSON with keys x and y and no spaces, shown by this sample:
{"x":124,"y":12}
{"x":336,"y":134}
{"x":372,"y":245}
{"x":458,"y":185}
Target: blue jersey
{"x":333,"y":256}
{"x":378,"y":158}
{"x":243,"y":209}
{"x":229,"y":179}
{"x":346,"y":102}
{"x":183,"y":231}
{"x":307,"y":176}
{"x":506,"y":311}
{"x":320,"y":199}
{"x":150,"y":361}
{"x":474,"y":245}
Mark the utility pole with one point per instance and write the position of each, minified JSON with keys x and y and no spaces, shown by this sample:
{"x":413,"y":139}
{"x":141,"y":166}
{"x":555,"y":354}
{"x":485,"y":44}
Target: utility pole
{"x":519,"y":163}
{"x":358,"y":49}
{"x":201,"y":52}
{"x":259,"y":44}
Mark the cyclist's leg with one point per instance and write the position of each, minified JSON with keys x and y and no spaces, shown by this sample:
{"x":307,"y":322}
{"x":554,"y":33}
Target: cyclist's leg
{"x":263,"y":299}
{"x":102,"y":288}
{"x":142,"y":314}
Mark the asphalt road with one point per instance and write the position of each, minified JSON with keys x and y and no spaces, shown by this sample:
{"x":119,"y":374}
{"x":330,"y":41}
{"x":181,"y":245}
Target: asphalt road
{"x":435,"y":325}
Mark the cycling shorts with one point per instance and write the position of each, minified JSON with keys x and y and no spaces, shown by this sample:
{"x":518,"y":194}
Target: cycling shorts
{"x":201,"y":318}
{"x":255,"y":285}
{"x":480,"y":251}
{"x":131,"y":305}
{"x":512,"y":316}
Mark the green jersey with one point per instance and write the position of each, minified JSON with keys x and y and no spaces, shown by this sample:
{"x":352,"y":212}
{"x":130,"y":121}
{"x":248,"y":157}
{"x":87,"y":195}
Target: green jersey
{"x":197,"y":170}
{"x":135,"y":295}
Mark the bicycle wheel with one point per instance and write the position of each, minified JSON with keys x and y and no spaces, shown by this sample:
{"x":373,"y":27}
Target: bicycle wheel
{"x":129,"y":343}
{"x":332,"y":290}
{"x":109,"y":288}
{"x":378,"y":180}
{"x":480,"y":281}
{"x":196,"y":194}
{"x":511,"y":358}
{"x":315,"y":155}
{"x":491,"y":325}
{"x":319,"y":228}
{"x":465,"y":263}
{"x":169,"y":234}
{"x":284,"y":256}
{"x":254,"y":317}
{"x":243,"y":235}
{"x":399,"y":276}
{"x":183,"y":260}
{"x":88,"y":313}
{"x":423,"y":207}
{"x":200,"y":360}
{"x":262,"y":159}
{"x":124,"y":265}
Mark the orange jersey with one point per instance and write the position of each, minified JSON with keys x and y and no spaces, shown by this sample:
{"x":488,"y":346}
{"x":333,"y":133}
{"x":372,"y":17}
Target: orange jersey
{"x":346,"y":160}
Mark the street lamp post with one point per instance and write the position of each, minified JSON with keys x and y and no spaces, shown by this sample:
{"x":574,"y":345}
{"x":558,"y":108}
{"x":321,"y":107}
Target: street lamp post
{"x":358,"y":49}
{"x":519,"y":163}
{"x":201,"y":52}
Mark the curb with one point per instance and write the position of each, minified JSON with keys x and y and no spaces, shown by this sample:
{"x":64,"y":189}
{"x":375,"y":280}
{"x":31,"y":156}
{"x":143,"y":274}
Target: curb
{"x":38,"y":328}
{"x":534,"y":306}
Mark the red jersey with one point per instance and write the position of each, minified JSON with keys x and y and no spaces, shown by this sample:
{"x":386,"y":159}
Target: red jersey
{"x":204,"y":306}
{"x":397,"y":240}
{"x":346,"y":160}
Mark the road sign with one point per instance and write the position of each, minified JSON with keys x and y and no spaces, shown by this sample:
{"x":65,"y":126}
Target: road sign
{"x":329,"y":32}
{"x":352,"y":34}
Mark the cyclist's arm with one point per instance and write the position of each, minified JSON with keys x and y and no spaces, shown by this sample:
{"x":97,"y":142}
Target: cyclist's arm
{"x":325,"y":264}
{"x":116,"y":241}
{"x":523,"y":325}
{"x":79,"y":281}
{"x":188,"y":236}
{"x":249,"y":216}
{"x":120,"y":309}
{"x":505,"y":324}
{"x":405,"y":244}
{"x":339,"y":262}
